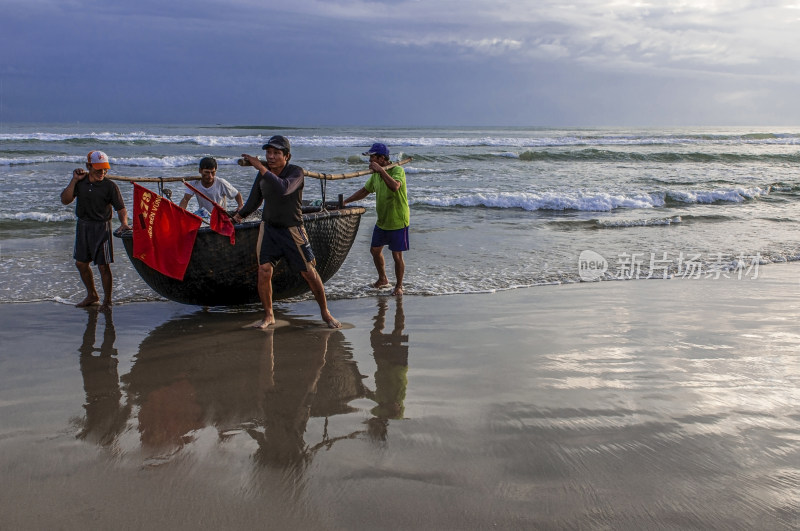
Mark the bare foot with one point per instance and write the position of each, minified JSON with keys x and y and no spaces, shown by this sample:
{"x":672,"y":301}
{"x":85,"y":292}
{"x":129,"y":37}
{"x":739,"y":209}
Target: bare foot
{"x":381,"y":284}
{"x":398,"y":290}
{"x":332,"y":323}
{"x":262,"y":323}
{"x":90,"y":300}
{"x":106,"y":306}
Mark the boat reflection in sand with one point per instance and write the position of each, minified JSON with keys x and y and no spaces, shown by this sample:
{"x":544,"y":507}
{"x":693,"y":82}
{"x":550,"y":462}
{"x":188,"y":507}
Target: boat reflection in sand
{"x":204,"y":376}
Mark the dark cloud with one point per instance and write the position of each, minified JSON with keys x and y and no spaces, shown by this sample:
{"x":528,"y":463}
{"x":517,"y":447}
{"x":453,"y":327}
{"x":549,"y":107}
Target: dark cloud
{"x":395,"y":63}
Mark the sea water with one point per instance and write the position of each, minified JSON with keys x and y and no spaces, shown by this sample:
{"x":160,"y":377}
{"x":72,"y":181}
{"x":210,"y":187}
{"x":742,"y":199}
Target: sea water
{"x":491,"y":208}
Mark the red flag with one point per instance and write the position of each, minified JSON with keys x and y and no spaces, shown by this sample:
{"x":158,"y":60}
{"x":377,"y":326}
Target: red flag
{"x":219,"y":220}
{"x":163,"y":234}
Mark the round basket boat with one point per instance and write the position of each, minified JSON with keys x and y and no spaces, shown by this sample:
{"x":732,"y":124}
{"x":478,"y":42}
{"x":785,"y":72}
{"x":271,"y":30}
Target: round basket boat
{"x":221,"y":274}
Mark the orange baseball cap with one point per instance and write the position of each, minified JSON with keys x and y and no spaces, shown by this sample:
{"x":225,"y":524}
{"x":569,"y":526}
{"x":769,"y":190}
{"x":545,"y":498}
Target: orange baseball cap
{"x":98,"y":160}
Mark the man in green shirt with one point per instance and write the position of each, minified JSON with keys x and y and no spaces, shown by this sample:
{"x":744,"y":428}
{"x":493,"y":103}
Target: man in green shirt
{"x":391,"y":205}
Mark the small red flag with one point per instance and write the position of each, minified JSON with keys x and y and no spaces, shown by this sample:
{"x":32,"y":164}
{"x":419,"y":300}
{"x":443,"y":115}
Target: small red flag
{"x":163,"y":233}
{"x":219,"y":220}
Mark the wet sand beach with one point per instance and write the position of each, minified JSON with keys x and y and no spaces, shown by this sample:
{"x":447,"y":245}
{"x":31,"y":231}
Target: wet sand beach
{"x":650,"y":404}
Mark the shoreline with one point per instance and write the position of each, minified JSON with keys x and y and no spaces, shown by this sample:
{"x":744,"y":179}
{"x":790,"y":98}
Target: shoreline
{"x":626,"y":405}
{"x":748,"y":273}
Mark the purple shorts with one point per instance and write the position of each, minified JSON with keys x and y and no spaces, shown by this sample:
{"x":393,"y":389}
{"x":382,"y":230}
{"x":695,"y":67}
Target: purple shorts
{"x":397,"y":240}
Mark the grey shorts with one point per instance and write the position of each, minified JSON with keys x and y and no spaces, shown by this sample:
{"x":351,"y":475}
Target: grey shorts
{"x":93,"y":242}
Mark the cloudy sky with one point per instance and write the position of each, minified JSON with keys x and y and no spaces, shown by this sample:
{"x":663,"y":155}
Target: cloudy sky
{"x":404,"y":62}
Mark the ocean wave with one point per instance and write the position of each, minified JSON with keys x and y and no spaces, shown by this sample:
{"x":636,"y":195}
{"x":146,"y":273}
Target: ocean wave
{"x":602,"y":155}
{"x":605,"y":155}
{"x":141,"y":137}
{"x":729,"y":195}
{"x":591,"y":202}
{"x":522,"y":139}
{"x":177,"y":161}
{"x":650,"y":222}
{"x":45,"y":159}
{"x":783,"y":188}
{"x":418,"y":171}
{"x":688,"y":219}
{"x":42,"y":217}
{"x":683,"y":219}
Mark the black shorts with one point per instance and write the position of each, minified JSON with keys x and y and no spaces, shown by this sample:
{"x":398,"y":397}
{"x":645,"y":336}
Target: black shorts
{"x":290,"y":243}
{"x":93,"y":242}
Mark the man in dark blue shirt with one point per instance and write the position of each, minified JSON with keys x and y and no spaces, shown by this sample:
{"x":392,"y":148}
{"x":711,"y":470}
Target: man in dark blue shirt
{"x":96,"y":196}
{"x":279,"y":185}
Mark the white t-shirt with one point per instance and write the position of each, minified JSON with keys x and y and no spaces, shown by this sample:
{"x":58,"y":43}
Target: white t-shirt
{"x":219,"y":192}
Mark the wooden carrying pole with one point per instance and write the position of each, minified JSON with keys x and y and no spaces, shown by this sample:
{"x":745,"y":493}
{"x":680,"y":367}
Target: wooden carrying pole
{"x":152,"y":179}
{"x":338,"y":176}
{"x":307,"y":173}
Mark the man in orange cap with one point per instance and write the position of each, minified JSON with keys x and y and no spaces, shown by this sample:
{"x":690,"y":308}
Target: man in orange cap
{"x":96,"y":196}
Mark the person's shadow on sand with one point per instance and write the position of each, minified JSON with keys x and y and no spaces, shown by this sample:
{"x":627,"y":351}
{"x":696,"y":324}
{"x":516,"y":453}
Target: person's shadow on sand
{"x":391,"y":375}
{"x":106,"y":416}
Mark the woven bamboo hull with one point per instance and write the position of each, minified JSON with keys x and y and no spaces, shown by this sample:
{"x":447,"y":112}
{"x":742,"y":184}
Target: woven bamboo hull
{"x":221,"y":274}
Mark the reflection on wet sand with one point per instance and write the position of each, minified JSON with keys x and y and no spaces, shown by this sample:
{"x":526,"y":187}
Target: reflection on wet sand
{"x":191,"y":373}
{"x":204,"y":371}
{"x":106,"y":417}
{"x":583,"y":417}
{"x":288,"y":402}
{"x":391,"y":375}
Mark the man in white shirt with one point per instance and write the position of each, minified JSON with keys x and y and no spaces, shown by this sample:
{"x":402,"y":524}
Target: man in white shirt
{"x":215,"y":188}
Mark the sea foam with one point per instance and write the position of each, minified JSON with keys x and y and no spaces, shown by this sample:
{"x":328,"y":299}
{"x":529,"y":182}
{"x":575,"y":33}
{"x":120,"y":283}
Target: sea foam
{"x":37,"y":216}
{"x":732,"y":195}
{"x":589,"y":202}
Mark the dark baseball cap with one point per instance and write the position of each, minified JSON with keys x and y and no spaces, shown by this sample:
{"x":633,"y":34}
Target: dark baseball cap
{"x":378,"y":149}
{"x":278,"y":142}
